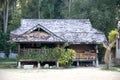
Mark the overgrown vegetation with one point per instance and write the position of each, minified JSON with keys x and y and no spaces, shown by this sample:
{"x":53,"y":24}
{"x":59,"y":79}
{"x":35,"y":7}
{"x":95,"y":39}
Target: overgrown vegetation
{"x":43,"y":55}
{"x":66,"y":57}
{"x":63,"y":56}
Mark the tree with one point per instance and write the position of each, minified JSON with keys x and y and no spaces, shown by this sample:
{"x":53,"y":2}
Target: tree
{"x":58,"y":6}
{"x":109,"y":46}
{"x":39,"y":4}
{"x":30,"y":8}
{"x":102,"y":13}
{"x":5,"y":7}
{"x":5,"y":15}
{"x":70,"y":1}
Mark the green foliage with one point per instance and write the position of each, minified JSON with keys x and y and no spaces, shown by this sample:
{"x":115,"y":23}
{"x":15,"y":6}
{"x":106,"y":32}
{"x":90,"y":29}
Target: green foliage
{"x":44,"y":55}
{"x":30,"y":55}
{"x":4,"y":45}
{"x":101,"y":51}
{"x":47,"y":9}
{"x":65,"y":44}
{"x":63,"y":56}
{"x":14,"y":22}
{"x":52,"y":55}
{"x":66,"y":57}
{"x":58,"y":8}
{"x":30,"y":9}
{"x":102,"y":13}
{"x":52,"y":9}
{"x":112,"y":35}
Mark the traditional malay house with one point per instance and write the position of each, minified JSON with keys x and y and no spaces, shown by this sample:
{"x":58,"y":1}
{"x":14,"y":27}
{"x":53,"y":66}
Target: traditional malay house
{"x":79,"y":33}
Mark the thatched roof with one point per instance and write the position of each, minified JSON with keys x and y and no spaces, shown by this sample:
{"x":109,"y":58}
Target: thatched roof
{"x":74,"y":31}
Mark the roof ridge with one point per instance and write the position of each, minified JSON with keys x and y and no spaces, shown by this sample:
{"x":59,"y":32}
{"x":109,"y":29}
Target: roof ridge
{"x":55,"y":19}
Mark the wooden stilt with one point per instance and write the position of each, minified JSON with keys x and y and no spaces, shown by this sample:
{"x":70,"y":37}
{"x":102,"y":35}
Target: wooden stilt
{"x":97,"y":62}
{"x":57,"y":64}
{"x":19,"y":49}
{"x":19,"y":65}
{"x":39,"y":66}
{"x":78,"y":64}
{"x":93,"y":63}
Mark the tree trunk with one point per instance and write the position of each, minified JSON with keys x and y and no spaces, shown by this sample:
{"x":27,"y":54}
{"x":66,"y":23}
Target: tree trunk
{"x":69,"y":12}
{"x":107,"y":57}
{"x":108,"y":60}
{"x":5,"y":15}
{"x":39,"y":3}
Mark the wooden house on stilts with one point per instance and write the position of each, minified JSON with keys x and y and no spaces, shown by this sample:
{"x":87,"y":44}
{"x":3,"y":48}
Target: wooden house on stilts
{"x":78,"y":33}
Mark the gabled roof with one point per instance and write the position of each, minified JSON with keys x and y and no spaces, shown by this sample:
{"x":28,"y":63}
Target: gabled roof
{"x":28,"y":36}
{"x":74,"y":31}
{"x":46,"y":30}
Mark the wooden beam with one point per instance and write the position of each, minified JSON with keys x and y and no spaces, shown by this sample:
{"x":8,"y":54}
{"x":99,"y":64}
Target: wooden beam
{"x":97,"y":62}
{"x":19,"y":53}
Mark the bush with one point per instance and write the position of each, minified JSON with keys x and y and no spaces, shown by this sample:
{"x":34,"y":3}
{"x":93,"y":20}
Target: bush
{"x":66,"y":57}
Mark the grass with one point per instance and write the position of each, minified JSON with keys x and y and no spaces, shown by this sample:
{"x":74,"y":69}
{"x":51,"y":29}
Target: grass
{"x":113,"y":68}
{"x":9,"y":64}
{"x":117,"y":66}
{"x":8,"y":60}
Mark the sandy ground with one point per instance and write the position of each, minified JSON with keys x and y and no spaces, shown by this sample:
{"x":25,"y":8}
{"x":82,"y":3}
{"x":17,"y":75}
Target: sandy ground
{"x":59,"y":74}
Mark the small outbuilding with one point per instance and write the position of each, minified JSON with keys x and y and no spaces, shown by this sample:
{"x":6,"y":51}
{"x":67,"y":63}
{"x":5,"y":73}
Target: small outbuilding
{"x":117,"y":55}
{"x":78,"y":33}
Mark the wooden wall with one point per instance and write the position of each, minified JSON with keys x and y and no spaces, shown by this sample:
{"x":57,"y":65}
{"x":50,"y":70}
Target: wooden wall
{"x":84,"y":51}
{"x":118,"y":49}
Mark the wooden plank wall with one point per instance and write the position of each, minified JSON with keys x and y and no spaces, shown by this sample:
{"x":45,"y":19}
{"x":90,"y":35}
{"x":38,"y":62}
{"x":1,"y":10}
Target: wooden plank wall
{"x":84,"y":51}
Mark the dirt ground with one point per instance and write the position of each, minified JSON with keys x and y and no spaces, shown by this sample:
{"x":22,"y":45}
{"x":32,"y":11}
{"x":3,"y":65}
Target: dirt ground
{"x":85,"y":73}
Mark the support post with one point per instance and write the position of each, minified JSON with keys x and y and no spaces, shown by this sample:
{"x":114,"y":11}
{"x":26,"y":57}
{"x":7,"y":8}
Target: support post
{"x":19,"y":65}
{"x":78,"y":64}
{"x":116,"y":48}
{"x":39,"y":66}
{"x":93,"y":63}
{"x":97,"y":62}
{"x":57,"y":64}
{"x":19,"y":49}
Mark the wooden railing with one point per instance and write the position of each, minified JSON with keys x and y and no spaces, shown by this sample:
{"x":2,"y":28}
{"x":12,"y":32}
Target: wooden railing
{"x":38,"y":51}
{"x":85,"y":55}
